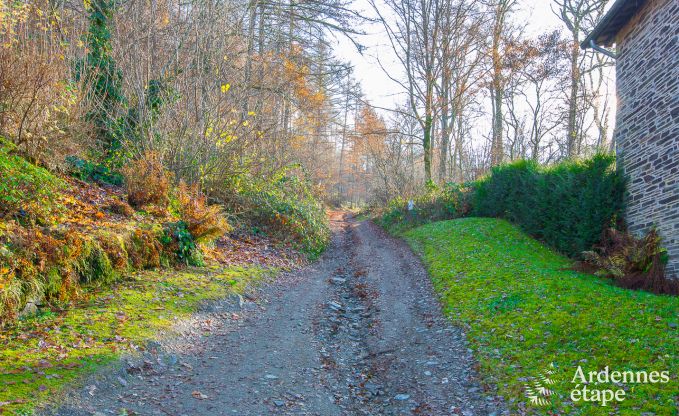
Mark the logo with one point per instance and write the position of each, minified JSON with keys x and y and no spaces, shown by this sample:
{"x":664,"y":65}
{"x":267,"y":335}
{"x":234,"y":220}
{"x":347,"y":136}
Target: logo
{"x":601,"y":386}
{"x":587,"y":384}
{"x":537,"y":392}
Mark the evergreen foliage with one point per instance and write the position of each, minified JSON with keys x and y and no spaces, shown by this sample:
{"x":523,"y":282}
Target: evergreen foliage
{"x":102,"y":75}
{"x":568,"y":205}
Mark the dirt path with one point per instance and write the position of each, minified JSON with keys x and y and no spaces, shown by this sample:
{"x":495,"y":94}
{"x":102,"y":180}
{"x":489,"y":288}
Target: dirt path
{"x":357,"y":333}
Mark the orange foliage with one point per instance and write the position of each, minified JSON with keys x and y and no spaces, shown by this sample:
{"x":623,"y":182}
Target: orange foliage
{"x":205,"y":222}
{"x":147,"y":181}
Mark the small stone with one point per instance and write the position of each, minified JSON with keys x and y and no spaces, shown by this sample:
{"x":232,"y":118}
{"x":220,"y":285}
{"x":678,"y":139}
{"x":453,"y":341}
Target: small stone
{"x":30,"y":309}
{"x":279,"y":403}
{"x":427,"y":373}
{"x":338,"y":280}
{"x":473,"y":389}
{"x":673,"y":325}
{"x":271,"y":377}
{"x":402,"y":397}
{"x":122,"y":381}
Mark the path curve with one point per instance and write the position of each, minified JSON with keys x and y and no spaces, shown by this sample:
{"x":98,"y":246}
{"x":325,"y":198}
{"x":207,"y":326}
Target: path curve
{"x":357,"y":333}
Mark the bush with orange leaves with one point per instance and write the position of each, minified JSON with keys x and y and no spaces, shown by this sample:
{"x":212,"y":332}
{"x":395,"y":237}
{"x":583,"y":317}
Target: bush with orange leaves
{"x":147,"y":181}
{"x":205,"y":222}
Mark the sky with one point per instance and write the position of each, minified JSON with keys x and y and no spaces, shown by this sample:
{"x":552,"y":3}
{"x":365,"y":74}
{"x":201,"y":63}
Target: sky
{"x":378,"y":88}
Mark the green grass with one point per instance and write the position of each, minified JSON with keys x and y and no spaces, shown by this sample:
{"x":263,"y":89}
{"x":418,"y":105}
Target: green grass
{"x":43,"y":353}
{"x":523,"y":310}
{"x":26,"y":188}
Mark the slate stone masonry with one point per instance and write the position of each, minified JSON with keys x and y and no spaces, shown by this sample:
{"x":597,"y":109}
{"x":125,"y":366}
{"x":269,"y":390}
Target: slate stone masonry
{"x":647,"y":126}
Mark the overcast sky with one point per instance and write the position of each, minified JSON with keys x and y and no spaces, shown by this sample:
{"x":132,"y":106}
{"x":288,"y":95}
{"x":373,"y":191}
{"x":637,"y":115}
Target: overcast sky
{"x":379,"y":89}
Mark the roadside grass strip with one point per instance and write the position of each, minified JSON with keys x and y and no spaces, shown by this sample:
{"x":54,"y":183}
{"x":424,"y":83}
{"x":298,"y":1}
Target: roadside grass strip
{"x":532,"y":323}
{"x":42,"y":353}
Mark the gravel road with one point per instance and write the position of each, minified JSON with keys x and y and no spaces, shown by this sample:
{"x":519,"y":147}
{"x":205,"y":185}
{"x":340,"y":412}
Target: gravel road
{"x":359,"y":332}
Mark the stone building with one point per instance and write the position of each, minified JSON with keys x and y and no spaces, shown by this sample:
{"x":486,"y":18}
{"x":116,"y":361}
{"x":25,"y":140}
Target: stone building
{"x":646,"y":38}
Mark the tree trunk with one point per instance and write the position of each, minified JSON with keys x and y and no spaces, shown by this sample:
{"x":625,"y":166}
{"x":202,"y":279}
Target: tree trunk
{"x":426,"y":144}
{"x":497,"y":147}
{"x":571,"y":149}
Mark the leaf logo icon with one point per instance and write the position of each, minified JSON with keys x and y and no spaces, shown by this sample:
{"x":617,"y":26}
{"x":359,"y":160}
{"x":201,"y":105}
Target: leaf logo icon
{"x":537,"y":393}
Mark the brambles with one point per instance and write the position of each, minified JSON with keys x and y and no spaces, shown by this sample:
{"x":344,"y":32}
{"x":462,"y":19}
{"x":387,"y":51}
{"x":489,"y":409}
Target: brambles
{"x":147,"y":181}
{"x":178,"y":239}
{"x":86,"y":170}
{"x":437,"y":203}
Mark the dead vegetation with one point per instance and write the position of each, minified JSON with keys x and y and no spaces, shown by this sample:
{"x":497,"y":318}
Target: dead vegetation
{"x":632,"y":262}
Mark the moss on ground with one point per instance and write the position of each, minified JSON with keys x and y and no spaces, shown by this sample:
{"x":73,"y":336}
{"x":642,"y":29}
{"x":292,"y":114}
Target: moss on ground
{"x":524,"y":310}
{"x":44,"y":352}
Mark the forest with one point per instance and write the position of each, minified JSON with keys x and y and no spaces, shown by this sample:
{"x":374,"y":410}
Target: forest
{"x":222,"y":90}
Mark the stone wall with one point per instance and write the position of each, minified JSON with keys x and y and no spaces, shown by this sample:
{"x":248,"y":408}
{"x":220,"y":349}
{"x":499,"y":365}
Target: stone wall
{"x":647,"y":126}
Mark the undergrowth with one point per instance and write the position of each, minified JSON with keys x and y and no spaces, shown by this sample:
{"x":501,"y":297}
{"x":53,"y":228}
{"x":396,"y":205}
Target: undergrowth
{"x":435,"y":204}
{"x":524,"y":310}
{"x":284,"y":206}
{"x":58,"y":235}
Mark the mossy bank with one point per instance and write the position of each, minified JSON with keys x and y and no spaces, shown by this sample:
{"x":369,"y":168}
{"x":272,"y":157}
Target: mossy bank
{"x":45,"y":352}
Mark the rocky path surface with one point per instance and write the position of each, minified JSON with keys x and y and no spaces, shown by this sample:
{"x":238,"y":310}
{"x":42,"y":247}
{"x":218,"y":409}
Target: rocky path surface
{"x":357,"y":333}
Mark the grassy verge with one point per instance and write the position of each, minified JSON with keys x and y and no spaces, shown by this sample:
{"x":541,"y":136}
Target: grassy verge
{"x":524,"y":311}
{"x":43,"y":353}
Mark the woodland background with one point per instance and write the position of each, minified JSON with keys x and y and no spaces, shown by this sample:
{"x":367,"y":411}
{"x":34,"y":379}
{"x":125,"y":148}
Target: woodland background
{"x":223,"y":91}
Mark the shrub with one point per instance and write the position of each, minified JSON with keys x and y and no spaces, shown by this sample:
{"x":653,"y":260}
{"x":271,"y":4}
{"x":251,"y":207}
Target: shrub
{"x":180,"y":241}
{"x":436,"y":204}
{"x":39,"y":106}
{"x":567,"y":205}
{"x":147,"y":181}
{"x":285,"y":206}
{"x":93,"y":172}
{"x":205,"y":222}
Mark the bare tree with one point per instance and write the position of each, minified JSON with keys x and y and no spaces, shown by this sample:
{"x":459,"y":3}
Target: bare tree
{"x":577,"y":16}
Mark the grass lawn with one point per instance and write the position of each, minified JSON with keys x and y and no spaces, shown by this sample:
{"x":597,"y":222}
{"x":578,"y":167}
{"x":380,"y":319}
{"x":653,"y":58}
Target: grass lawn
{"x":41,"y":354}
{"x":524,"y":312}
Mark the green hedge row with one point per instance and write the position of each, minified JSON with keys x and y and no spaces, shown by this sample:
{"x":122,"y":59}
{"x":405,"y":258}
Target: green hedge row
{"x":567,"y":205}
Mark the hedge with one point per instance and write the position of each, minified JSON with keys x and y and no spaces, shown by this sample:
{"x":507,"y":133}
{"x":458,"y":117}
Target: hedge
{"x":567,"y":205}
